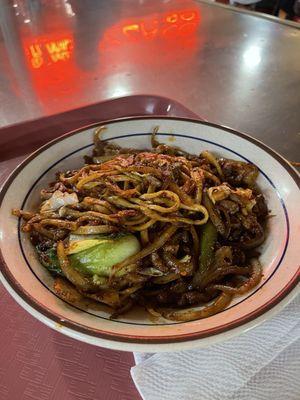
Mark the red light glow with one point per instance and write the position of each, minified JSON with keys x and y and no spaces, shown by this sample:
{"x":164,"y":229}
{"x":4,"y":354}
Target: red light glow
{"x":173,"y":25}
{"x":45,"y":51}
{"x":153,"y":42}
{"x":179,"y":25}
{"x":54,"y":72}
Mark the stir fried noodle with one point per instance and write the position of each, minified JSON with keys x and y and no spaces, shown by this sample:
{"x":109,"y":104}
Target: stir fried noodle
{"x":162,"y":229}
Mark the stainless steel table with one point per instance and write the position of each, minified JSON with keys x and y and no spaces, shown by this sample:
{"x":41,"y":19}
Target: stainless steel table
{"x":230,"y":67}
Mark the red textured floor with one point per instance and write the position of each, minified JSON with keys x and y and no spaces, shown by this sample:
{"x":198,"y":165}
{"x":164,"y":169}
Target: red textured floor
{"x":37,"y":363}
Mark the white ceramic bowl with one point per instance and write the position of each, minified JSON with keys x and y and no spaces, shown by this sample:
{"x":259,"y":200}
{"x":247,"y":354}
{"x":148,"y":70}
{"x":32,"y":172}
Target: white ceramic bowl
{"x":31,"y":285}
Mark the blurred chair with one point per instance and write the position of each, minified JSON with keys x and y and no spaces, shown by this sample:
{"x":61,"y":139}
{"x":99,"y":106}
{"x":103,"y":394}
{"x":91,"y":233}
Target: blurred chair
{"x":251,"y":4}
{"x":287,"y":9}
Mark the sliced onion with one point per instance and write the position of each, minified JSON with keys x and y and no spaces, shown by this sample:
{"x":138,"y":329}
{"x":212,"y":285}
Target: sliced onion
{"x":216,"y":306}
{"x":95,"y":229}
{"x":255,"y":278}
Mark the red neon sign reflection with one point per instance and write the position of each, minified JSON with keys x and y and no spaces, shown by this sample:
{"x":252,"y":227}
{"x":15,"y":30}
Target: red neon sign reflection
{"x":180,"y":22}
{"x":154,"y":42}
{"x":54,"y":72}
{"x":177,"y":24}
{"x":46,"y":50}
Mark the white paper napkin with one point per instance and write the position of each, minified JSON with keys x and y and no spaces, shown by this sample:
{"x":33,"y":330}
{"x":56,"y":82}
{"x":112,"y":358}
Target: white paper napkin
{"x":261,"y":364}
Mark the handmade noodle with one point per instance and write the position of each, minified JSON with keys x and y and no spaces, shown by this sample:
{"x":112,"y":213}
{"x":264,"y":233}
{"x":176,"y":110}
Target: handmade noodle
{"x":189,"y":223}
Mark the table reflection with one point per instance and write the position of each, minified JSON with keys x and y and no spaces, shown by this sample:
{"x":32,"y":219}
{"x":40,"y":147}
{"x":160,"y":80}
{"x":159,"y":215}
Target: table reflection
{"x":62,"y":57}
{"x":229,"y":67}
{"x":252,"y":56}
